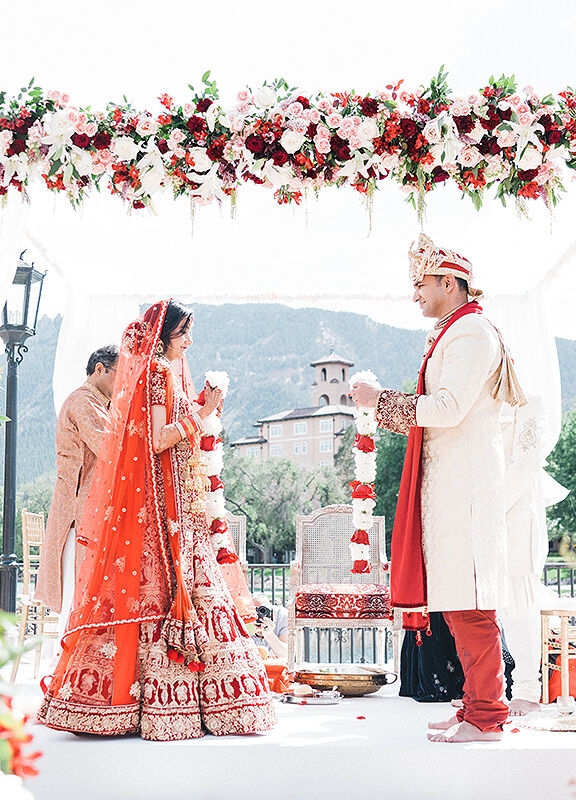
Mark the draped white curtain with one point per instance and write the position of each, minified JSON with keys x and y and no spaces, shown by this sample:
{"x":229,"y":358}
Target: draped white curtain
{"x":13,"y":216}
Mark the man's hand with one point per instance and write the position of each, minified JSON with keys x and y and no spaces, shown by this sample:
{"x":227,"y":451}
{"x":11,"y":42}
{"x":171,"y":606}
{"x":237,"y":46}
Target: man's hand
{"x":364,"y":395}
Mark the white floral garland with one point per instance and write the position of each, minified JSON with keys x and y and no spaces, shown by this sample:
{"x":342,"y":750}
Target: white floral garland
{"x":213,"y":462}
{"x":364,"y":477}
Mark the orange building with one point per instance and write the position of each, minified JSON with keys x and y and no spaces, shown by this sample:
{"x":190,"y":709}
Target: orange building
{"x":307,"y":436}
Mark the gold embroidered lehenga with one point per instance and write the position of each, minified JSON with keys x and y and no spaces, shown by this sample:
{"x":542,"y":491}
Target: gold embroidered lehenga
{"x":150,"y":584}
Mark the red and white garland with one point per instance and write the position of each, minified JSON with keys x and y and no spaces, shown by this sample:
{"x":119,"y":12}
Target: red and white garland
{"x":363,"y":492}
{"x":213,"y":461}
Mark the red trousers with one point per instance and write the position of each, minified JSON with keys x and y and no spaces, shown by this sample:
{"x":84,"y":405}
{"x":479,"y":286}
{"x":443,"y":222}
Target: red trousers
{"x":479,"y":646}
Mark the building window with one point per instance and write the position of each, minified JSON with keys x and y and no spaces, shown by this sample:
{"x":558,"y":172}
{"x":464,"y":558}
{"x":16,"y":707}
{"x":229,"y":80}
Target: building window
{"x":275,"y":449}
{"x":325,"y":464}
{"x":275,"y":431}
{"x":300,"y":448}
{"x":324,"y":400}
{"x":343,"y":375}
{"x":326,"y":446}
{"x":326,"y":425}
{"x":344,"y":400}
{"x":300,"y":427}
{"x":323,"y":374}
{"x":251,"y":452}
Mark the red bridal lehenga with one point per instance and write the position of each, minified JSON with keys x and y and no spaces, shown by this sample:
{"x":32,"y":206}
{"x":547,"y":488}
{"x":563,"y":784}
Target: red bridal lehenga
{"x":155,"y":643}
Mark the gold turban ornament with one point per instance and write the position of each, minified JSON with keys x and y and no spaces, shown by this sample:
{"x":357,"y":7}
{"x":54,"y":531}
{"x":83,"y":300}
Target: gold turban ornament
{"x":429,"y":259}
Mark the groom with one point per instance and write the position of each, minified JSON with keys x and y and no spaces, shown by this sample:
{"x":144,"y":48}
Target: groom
{"x":449,"y":539}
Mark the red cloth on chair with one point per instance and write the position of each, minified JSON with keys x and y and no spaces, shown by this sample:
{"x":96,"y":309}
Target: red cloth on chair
{"x":479,"y":645}
{"x":555,"y":680}
{"x":343,"y":601}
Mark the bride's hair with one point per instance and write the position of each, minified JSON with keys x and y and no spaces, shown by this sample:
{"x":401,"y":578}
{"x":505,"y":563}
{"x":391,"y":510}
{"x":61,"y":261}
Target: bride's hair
{"x":175,"y":314}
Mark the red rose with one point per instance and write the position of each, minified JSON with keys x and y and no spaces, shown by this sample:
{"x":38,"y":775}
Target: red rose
{"x":138,"y":204}
{"x":364,"y":443}
{"x":215,"y":151}
{"x":464,"y":124}
{"x":163,"y":146}
{"x":196,"y":124}
{"x":423,"y":106}
{"x":527,"y":174}
{"x":312,"y":130}
{"x":208,"y":443}
{"x":360,"y":537}
{"x":304,"y":101}
{"x":255,"y":144}
{"x":226,"y":556}
{"x":343,"y":153}
{"x":408,"y":128}
{"x":17,"y":146}
{"x":360,"y":567}
{"x":369,"y":107}
{"x":215,"y":483}
{"x":203,"y":105}
{"x":439,"y":175}
{"x":218,"y":526}
{"x":505,"y":114}
{"x":546,"y":121}
{"x":364,"y":491}
{"x":80,"y":140}
{"x":554,"y":136}
{"x":491,"y":121}
{"x":280,"y":157}
{"x":102,"y":140}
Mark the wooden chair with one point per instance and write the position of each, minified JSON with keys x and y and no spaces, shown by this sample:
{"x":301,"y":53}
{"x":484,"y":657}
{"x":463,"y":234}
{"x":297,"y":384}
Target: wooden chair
{"x":559,"y":641}
{"x":322,"y":565}
{"x":36,"y":620}
{"x":237,"y":528}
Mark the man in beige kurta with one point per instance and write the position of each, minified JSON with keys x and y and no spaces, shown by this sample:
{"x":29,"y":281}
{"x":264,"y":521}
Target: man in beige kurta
{"x":79,"y":431}
{"x":466,"y":378}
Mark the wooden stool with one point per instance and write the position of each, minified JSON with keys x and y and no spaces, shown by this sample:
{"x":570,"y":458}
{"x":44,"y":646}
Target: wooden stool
{"x":551,"y":646}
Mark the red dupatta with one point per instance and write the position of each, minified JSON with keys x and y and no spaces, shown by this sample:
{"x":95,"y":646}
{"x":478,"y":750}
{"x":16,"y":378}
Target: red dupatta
{"x":408,"y":573}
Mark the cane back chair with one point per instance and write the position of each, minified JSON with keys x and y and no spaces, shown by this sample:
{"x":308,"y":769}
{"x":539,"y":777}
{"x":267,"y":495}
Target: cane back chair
{"x":36,"y":620}
{"x":237,"y":528}
{"x":323,"y":591}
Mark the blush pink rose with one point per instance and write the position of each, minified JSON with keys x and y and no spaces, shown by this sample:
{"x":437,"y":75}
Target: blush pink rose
{"x":242,"y":96}
{"x":72,"y":115}
{"x":321,"y":144}
{"x":65,"y":99}
{"x":506,"y":138}
{"x":91,"y":129}
{"x":313,"y":115}
{"x":334,"y":119}
{"x":105,"y":156}
{"x":53,"y":95}
{"x":469,"y":156}
{"x":322,"y":132}
{"x":295,"y":109}
{"x":515,"y":100}
{"x":80,"y":127}
{"x":177,"y":136}
{"x":355,"y":141}
{"x":243,"y":108}
{"x":325,"y":106}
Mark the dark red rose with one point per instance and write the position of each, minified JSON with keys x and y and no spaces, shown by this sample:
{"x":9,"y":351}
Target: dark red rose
{"x":280,"y":157}
{"x":102,"y":140}
{"x":312,"y":130}
{"x":23,"y":125}
{"x":369,"y":107}
{"x":554,"y":136}
{"x":304,"y":101}
{"x":17,"y":146}
{"x":423,"y":106}
{"x":494,"y":147}
{"x":343,"y":153}
{"x":203,"y":104}
{"x":196,"y":124}
{"x":255,"y":144}
{"x":248,"y":176}
{"x":80,"y":140}
{"x":408,"y":128}
{"x":439,"y":175}
{"x":163,"y":145}
{"x":464,"y":123}
{"x":527,"y":174}
{"x":491,"y":120}
{"x":546,"y":121}
{"x":505,"y":114}
{"x":138,"y":204}
{"x":215,"y":151}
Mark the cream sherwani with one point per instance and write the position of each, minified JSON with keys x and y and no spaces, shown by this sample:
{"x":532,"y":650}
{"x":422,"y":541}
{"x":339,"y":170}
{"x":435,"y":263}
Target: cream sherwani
{"x":81,"y":424}
{"x":463,"y":518}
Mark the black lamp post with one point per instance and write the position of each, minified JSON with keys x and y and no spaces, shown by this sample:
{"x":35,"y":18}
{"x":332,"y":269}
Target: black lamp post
{"x":19,"y":319}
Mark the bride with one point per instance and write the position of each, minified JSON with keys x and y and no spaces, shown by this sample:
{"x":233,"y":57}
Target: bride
{"x":155,"y":643}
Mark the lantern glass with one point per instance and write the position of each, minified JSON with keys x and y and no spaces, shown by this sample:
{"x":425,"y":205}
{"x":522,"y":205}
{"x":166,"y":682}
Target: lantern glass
{"x":33,"y":304}
{"x":16,"y":304}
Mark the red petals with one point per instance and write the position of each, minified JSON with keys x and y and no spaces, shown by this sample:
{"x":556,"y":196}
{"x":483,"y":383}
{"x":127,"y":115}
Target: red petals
{"x":364,"y":443}
{"x":360,"y":717}
{"x":360,"y":537}
{"x":226,"y":556}
{"x":196,"y":666}
{"x":361,"y":567}
{"x":363,"y":491}
{"x":218,"y":526}
{"x":201,"y":399}
{"x":215,"y":483}
{"x":208,"y":443}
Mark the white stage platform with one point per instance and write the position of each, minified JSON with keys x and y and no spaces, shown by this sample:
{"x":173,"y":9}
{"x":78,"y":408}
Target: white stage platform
{"x":314,"y":753}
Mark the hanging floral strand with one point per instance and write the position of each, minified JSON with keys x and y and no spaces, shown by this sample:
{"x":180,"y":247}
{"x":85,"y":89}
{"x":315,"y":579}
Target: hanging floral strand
{"x":363,"y":491}
{"x":213,"y":461}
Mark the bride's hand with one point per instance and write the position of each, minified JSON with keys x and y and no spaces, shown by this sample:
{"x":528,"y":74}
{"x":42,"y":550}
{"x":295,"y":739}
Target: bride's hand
{"x":213,"y":398}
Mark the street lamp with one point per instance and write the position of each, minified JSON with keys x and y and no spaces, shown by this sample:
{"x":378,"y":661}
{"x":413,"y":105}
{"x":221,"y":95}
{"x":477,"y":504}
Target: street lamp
{"x":18,"y":323}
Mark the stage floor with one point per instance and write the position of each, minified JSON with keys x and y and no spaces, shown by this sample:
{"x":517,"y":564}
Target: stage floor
{"x":362,"y":749}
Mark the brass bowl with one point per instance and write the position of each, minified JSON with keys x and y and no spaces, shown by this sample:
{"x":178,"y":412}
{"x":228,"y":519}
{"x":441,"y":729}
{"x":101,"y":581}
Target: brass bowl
{"x":350,"y":684}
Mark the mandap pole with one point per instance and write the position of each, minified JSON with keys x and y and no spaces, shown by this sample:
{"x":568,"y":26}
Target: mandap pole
{"x":8,"y":562}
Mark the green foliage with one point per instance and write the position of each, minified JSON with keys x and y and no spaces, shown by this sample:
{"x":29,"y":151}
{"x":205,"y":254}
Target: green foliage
{"x":271,"y":493}
{"x":391,"y":448}
{"x":562,"y":466}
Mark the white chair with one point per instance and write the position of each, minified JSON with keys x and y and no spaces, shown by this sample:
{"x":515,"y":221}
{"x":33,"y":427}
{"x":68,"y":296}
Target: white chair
{"x":237,"y":528}
{"x":323,"y":591}
{"x":36,"y":620}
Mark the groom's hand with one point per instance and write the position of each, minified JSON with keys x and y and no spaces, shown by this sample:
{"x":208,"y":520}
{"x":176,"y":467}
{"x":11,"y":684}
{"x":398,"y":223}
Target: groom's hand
{"x":364,"y":395}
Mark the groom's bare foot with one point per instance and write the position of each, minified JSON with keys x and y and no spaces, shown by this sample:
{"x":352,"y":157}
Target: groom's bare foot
{"x":465,"y":732}
{"x":517,"y":708}
{"x":457,"y":703}
{"x":442,"y":726}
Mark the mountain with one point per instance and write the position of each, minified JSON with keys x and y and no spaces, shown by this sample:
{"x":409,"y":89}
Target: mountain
{"x":265,"y":348}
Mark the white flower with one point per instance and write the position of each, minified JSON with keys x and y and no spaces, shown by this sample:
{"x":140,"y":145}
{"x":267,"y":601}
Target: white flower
{"x":58,"y":125}
{"x":125,"y":148}
{"x":146,"y":126}
{"x":363,"y":506}
{"x":469,"y":156}
{"x":82,"y":160}
{"x":214,"y":461}
{"x":218,"y":379}
{"x":216,"y":504}
{"x":219,"y":540}
{"x":368,"y":129}
{"x":202,"y":162}
{"x":265,"y":96}
{"x":365,"y":467}
{"x":292,"y":141}
{"x":212,"y":425}
{"x":359,"y":552}
{"x":362,"y":521}
{"x":366,"y":426}
{"x":431,"y":132}
{"x":151,"y":172}
{"x":531,"y":158}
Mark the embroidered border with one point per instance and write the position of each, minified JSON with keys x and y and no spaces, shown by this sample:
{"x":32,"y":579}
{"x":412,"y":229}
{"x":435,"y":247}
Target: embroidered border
{"x":396,"y":411}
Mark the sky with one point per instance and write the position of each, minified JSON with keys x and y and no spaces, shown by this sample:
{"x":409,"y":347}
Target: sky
{"x":320,"y":253}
